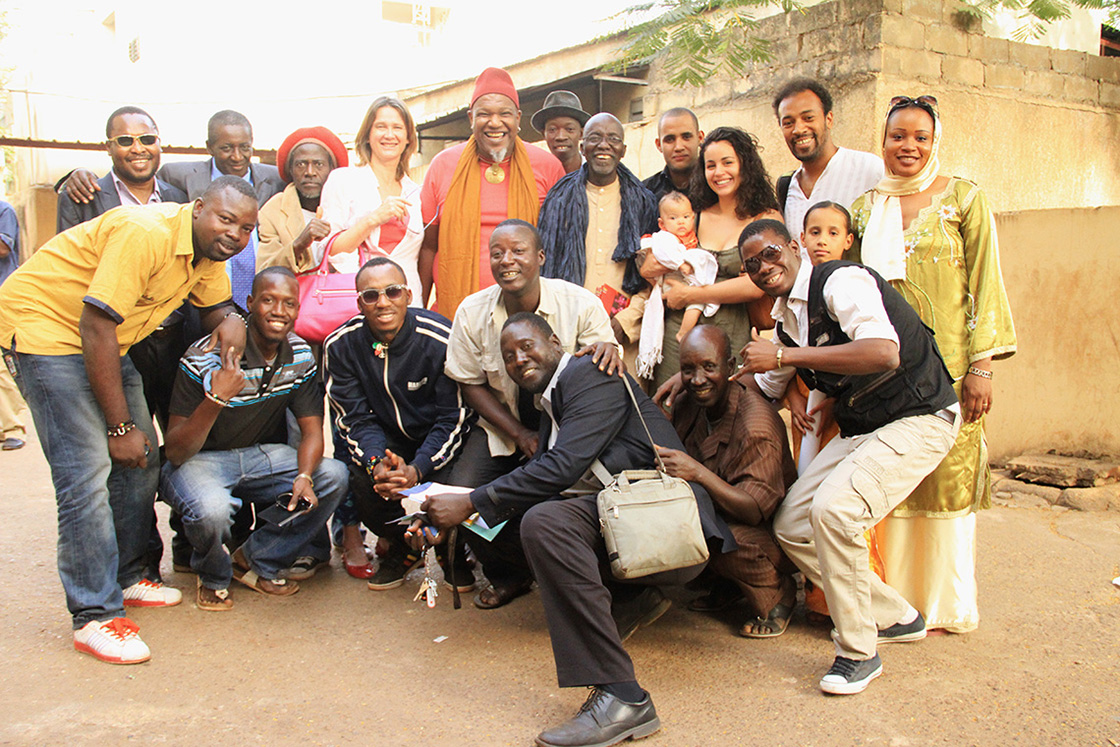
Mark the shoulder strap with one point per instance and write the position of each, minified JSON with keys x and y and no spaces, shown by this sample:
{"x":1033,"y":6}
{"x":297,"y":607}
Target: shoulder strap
{"x":783,"y":190}
{"x":656,"y":456}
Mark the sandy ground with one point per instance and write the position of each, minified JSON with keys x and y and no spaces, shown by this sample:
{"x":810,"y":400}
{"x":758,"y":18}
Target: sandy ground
{"x":339,"y":664}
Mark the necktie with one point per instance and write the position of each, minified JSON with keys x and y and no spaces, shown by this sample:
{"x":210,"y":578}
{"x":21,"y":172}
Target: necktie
{"x":242,"y":269}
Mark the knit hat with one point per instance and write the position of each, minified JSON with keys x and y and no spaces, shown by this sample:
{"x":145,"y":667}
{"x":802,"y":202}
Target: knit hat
{"x":318,"y":135}
{"x":495,"y":80}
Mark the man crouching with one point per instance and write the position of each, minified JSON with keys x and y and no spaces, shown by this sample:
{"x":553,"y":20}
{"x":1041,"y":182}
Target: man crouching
{"x":226,"y":443}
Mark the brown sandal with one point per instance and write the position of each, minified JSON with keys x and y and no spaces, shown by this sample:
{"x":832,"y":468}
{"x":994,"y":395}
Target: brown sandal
{"x":493,"y":597}
{"x":223,"y":604}
{"x":278,"y":587}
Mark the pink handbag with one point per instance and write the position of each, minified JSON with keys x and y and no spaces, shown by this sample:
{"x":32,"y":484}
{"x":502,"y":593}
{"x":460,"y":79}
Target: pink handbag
{"x":326,"y":300}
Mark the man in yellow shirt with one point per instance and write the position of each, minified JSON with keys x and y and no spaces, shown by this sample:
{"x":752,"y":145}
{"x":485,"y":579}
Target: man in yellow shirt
{"x":67,"y":318}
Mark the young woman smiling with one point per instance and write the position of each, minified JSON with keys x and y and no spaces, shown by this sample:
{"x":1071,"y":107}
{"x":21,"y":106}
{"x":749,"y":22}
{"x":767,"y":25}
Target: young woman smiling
{"x":934,"y":238}
{"x":730,"y":188}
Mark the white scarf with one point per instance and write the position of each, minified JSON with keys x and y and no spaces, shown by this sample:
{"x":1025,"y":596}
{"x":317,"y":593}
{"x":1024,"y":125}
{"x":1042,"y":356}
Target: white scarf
{"x":883,"y":247}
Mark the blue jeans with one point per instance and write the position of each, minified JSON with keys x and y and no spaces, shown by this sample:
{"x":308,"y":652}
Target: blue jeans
{"x":104,"y":510}
{"x":209,"y":488}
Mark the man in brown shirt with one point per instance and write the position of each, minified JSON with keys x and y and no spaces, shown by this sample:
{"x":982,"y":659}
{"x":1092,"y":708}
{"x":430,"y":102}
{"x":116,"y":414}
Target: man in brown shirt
{"x":737,"y":449}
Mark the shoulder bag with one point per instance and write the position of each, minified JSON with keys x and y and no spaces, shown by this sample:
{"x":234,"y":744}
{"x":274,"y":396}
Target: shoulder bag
{"x":326,"y":300}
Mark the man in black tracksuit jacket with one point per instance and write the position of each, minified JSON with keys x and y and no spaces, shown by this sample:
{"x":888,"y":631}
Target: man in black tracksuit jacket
{"x":402,"y":419}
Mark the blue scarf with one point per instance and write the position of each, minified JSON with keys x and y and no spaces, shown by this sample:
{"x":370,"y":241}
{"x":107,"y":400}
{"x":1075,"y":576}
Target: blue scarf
{"x":563,"y":227}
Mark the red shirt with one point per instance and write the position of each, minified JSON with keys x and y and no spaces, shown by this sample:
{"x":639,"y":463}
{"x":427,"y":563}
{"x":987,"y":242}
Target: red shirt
{"x":494,"y":197}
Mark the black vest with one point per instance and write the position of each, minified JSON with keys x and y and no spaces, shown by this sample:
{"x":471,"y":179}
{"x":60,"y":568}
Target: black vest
{"x":921,"y":385}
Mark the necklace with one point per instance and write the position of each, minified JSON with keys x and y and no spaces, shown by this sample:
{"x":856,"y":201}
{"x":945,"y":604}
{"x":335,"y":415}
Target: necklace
{"x":495,"y":174}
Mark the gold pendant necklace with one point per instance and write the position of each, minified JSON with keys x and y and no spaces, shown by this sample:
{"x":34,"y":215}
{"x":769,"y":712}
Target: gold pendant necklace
{"x":495,"y":174}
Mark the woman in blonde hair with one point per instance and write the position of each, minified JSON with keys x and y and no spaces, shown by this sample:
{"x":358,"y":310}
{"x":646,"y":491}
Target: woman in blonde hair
{"x":374,"y":208}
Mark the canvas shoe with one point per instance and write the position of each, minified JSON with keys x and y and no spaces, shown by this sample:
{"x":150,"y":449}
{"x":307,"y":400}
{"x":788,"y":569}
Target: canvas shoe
{"x":848,"y":676}
{"x":145,"y":593}
{"x":114,"y":641}
{"x":904,"y":632}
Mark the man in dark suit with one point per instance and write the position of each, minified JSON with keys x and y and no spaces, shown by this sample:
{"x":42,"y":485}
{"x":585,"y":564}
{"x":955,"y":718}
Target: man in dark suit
{"x":229,"y":140}
{"x":587,"y":416}
{"x":132,"y":140}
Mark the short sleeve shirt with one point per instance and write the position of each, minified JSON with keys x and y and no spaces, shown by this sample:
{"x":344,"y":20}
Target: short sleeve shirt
{"x":134,"y":263}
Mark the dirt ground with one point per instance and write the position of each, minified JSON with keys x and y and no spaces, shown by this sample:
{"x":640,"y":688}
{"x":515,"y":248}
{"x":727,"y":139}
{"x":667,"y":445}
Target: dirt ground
{"x":338,"y":664}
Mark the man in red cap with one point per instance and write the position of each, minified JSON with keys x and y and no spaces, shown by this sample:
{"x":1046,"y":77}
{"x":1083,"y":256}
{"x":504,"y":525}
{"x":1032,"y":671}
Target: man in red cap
{"x":291,"y":221}
{"x":470,"y":188}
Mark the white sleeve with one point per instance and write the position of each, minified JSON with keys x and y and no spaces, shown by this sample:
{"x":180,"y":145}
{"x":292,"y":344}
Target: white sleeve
{"x":773,"y":383}
{"x":853,"y":299}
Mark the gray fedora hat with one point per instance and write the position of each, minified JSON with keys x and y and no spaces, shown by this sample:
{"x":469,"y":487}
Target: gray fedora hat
{"x":559,"y":104}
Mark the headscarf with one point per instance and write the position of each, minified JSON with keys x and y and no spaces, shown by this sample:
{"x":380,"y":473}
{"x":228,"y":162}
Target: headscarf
{"x":883,"y":247}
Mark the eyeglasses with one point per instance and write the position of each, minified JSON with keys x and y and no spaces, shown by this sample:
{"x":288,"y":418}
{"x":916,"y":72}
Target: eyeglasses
{"x":926,"y":102}
{"x":596,"y":140}
{"x":126,"y":141}
{"x":769,"y":253}
{"x":392,"y":292}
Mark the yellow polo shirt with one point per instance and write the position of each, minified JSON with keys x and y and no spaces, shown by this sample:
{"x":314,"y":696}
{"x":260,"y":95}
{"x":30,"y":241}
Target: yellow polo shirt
{"x":133,"y":263}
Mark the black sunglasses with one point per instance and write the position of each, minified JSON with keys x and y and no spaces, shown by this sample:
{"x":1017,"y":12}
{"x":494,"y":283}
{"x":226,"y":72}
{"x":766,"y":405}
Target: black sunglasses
{"x":392,"y":292}
{"x":770,"y":253}
{"x":926,"y":102}
{"x":126,"y":141}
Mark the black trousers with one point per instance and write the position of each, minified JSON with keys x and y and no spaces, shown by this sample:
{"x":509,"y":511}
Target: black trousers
{"x":503,"y":561}
{"x":569,"y":560}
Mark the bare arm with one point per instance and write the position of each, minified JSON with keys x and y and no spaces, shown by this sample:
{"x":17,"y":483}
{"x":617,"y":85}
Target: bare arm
{"x":308,"y":456}
{"x":101,"y":352}
{"x":735,"y":290}
{"x":867,"y":356}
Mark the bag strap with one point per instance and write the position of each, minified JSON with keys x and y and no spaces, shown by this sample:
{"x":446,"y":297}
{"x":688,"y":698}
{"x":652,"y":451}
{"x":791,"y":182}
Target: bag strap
{"x":645,"y":427}
{"x":322,"y":269}
{"x":783,"y":190}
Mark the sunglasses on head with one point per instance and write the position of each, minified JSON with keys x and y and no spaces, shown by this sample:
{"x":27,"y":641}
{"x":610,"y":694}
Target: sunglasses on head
{"x":392,"y":292}
{"x":126,"y":141}
{"x":770,"y":253}
{"x":927,"y":102}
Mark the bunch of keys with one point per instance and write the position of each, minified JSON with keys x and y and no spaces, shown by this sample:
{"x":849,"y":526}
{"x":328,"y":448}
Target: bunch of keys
{"x":429,"y":589}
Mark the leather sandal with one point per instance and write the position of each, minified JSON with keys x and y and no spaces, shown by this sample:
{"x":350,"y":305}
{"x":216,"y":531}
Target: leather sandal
{"x":269,"y":587}
{"x":224,"y":603}
{"x":493,"y":597}
{"x":774,"y":624}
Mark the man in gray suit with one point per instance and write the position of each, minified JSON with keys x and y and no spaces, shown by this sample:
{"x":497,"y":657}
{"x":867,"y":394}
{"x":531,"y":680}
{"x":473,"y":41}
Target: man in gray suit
{"x":132,"y":140}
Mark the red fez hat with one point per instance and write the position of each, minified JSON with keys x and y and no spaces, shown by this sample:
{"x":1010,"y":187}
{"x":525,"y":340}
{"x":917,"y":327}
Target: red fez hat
{"x":495,"y":80}
{"x":318,"y":135}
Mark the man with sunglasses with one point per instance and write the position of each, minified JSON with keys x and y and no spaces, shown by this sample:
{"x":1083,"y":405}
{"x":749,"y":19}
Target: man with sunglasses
{"x":844,"y":330}
{"x":132,"y":140}
{"x":402,"y":419}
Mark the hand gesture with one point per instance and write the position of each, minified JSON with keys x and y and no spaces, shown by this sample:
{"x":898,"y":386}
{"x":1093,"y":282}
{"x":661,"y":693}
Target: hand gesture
{"x":230,"y":334}
{"x":226,"y":382}
{"x":759,"y":355}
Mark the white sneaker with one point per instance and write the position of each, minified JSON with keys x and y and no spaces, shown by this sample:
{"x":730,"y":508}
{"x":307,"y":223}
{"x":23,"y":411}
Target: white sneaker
{"x":145,"y":593}
{"x":115,"y":641}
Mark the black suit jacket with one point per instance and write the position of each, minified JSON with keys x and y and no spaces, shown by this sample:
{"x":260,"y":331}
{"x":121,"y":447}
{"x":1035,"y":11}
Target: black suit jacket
{"x":72,"y":213}
{"x":193,"y":177}
{"x":596,"y":420}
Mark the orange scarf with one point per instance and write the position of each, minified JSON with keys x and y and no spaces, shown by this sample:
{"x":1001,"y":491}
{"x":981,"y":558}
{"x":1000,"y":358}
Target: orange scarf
{"x":460,"y":230}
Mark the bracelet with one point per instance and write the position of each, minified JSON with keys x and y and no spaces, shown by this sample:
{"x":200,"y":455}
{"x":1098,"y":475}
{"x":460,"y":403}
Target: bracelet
{"x":307,"y":477}
{"x":216,"y":399}
{"x":980,"y":372}
{"x":233,"y":312}
{"x":371,"y":465}
{"x":120,"y":429}
{"x":780,"y":351}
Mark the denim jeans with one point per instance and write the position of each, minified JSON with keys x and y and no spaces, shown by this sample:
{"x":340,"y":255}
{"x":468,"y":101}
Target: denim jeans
{"x":104,"y":510}
{"x":209,"y":488}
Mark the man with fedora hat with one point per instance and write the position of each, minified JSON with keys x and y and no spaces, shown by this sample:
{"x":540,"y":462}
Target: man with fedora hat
{"x":291,"y":221}
{"x":472,"y":187}
{"x":561,"y":121}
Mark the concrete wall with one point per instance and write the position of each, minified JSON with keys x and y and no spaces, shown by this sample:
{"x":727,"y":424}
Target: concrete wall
{"x":1036,"y":127}
{"x":1062,"y":389}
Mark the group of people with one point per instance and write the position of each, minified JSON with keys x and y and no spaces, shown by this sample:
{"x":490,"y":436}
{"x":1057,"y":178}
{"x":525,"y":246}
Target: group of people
{"x":503,"y":308}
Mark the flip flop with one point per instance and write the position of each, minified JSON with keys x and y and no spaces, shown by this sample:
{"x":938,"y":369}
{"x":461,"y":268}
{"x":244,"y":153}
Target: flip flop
{"x":501,"y":595}
{"x":224,"y":605}
{"x":242,"y":573}
{"x":775,"y":623}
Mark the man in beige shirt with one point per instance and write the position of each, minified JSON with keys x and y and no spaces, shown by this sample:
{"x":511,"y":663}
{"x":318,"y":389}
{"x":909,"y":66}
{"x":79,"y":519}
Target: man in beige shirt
{"x":592,"y":222}
{"x":510,"y":421}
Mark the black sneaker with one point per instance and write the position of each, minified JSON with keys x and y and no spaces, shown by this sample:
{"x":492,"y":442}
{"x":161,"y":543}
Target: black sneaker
{"x":848,"y":676}
{"x":391,"y":571}
{"x":904,"y":632}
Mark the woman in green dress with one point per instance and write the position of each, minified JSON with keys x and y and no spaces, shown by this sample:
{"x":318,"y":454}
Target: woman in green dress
{"x":934,"y":238}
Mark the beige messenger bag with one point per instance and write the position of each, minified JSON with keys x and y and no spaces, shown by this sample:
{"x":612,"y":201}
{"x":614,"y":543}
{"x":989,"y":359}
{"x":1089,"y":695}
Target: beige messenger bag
{"x":649,"y":520}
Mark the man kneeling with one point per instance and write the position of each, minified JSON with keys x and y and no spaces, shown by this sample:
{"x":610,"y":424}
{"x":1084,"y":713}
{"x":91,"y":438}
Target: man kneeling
{"x":587,"y":416}
{"x":226,"y":444}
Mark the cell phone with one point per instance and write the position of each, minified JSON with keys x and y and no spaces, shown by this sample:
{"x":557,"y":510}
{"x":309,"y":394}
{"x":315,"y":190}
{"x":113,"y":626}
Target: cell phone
{"x":278,"y":512}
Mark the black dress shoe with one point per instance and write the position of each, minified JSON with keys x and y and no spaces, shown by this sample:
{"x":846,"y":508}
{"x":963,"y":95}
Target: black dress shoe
{"x":639,"y":611}
{"x":603,"y":720}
